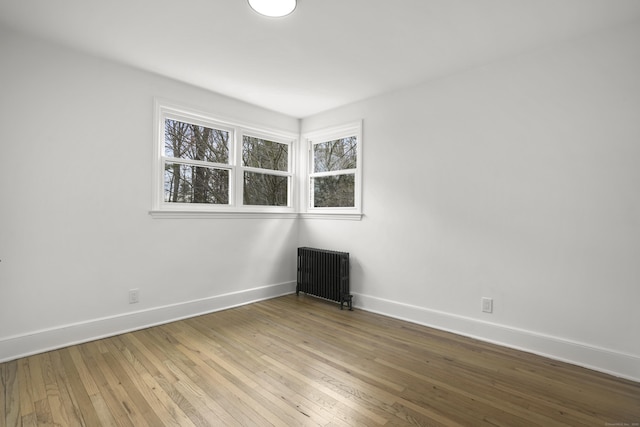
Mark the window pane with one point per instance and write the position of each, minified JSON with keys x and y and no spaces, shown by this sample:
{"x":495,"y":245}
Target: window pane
{"x":335,"y":155}
{"x":336,"y":191}
{"x":265,"y":190}
{"x":195,"y":184}
{"x":193,"y":142}
{"x":260,"y":153}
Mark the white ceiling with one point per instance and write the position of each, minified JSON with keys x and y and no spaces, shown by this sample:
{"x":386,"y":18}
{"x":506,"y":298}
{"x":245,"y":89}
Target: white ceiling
{"x":326,"y":54}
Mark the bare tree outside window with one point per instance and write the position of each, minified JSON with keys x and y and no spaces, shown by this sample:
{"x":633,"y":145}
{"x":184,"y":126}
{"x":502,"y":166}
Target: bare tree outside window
{"x":264,"y":154}
{"x":335,"y":189}
{"x":265,"y":190}
{"x":261,"y":187}
{"x":339,"y":154}
{"x":195,"y":183}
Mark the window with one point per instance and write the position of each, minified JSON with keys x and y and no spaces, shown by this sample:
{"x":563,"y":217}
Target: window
{"x":334,"y":172}
{"x":266,"y":172}
{"x":204,"y":164}
{"x":196,"y":163}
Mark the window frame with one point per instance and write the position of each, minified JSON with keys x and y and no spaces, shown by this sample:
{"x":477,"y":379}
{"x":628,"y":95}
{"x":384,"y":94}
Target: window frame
{"x":235,"y":208}
{"x":326,"y":135}
{"x":242,"y":168}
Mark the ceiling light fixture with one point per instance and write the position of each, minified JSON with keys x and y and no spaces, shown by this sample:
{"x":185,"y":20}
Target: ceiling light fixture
{"x":273,"y":8}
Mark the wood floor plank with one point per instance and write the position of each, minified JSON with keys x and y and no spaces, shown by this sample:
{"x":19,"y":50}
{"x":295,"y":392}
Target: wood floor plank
{"x":149,"y":358}
{"x":151,"y":408}
{"x":301,"y":361}
{"x":39,"y":390}
{"x":153,"y":392}
{"x":43,"y":412}
{"x":203,"y":399}
{"x":27,"y":403}
{"x":103,"y":411}
{"x":11,"y":394}
{"x":81,"y":399}
{"x":118,"y":390}
{"x":29,"y":420}
{"x":85,"y":375}
{"x":105,"y":398}
{"x":58,"y":413}
{"x":67,"y":399}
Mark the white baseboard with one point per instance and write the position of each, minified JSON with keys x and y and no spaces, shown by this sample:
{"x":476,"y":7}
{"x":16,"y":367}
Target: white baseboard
{"x":585,"y":355}
{"x":40,"y":341}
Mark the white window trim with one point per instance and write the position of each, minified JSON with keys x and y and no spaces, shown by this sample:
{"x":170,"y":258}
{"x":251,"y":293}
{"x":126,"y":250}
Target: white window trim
{"x":307,"y":211}
{"x":290,"y":174}
{"x":235,"y":208}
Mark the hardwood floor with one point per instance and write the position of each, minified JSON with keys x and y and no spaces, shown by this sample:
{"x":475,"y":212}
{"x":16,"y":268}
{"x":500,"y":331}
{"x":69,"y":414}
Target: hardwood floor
{"x":301,"y":361}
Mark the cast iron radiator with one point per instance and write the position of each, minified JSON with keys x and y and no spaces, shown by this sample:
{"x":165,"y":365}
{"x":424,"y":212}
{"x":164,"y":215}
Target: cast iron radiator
{"x":324,"y":274}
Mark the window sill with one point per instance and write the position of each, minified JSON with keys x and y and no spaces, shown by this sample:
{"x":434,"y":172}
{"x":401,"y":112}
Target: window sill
{"x":221,"y":215}
{"x":344,"y":216}
{"x":253,"y":215}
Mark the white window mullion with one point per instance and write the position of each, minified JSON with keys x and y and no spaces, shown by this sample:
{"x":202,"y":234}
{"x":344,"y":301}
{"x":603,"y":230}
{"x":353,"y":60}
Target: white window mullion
{"x":266,"y":171}
{"x":197,"y":163}
{"x":238,"y":172}
{"x":332,"y":173}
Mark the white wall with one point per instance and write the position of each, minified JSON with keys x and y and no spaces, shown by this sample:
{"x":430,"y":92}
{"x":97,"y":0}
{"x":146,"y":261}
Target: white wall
{"x":517,"y":181}
{"x":75,"y":186}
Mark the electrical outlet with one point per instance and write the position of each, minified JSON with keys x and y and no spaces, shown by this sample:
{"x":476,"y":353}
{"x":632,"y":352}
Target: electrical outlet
{"x":487,"y":305}
{"x":134,"y":296}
